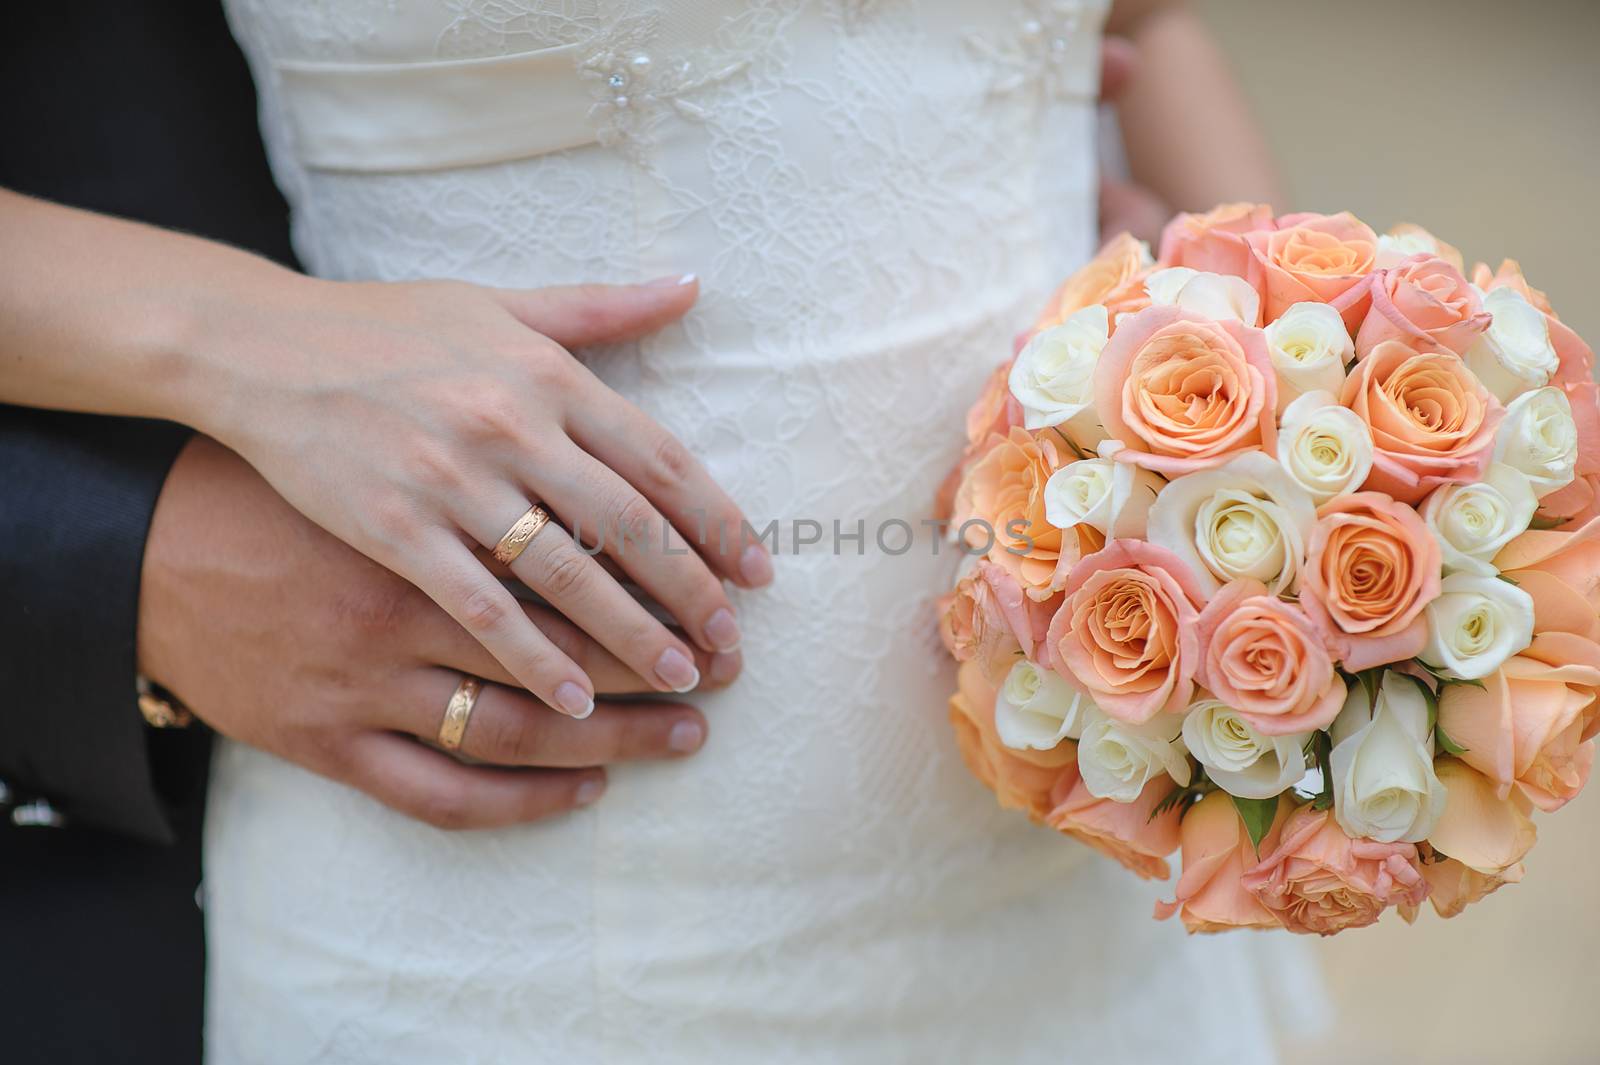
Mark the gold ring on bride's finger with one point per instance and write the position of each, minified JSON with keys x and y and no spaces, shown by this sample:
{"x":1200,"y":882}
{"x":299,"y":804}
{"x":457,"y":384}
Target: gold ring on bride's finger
{"x":458,"y":710}
{"x":517,"y":538}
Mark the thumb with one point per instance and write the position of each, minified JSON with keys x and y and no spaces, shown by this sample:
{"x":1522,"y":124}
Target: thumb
{"x":575,"y":316}
{"x":1119,"y":59}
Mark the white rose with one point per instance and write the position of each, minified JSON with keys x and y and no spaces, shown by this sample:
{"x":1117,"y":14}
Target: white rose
{"x":1384,"y":787}
{"x":1053,"y":377}
{"x":1116,"y":760}
{"x":1514,"y":354}
{"x":1114,"y":497}
{"x":1324,"y":447}
{"x":1035,"y":709}
{"x":1310,"y":346}
{"x":1539,"y":438}
{"x":1246,"y":518}
{"x":1395,"y":248}
{"x":1217,"y":296}
{"x":1472,"y":522}
{"x":1475,"y":624}
{"x":1238,"y":759}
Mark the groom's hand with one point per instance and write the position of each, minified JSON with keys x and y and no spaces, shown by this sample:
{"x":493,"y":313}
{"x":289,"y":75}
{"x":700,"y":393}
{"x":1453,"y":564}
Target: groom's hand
{"x":279,"y":635}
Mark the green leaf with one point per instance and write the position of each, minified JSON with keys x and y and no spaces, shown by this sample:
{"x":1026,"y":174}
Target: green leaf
{"x":1072,"y":444}
{"x":1445,"y":743}
{"x":1544,"y":524}
{"x":1257,"y":815}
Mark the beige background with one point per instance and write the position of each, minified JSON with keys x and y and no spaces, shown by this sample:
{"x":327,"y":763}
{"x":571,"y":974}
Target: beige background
{"x":1477,"y":119}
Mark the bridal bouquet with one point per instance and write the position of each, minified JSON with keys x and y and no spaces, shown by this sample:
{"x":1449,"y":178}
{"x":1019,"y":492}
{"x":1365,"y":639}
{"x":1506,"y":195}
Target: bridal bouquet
{"x":1285,"y":552}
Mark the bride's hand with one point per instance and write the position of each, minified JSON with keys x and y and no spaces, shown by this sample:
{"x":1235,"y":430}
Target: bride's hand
{"x":417,"y":421}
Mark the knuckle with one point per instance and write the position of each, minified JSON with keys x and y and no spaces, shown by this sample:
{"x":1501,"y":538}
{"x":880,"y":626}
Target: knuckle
{"x":635,"y":521}
{"x":550,"y":367}
{"x":670,"y":462}
{"x":483,"y":610}
{"x":567,"y":575}
{"x":395,"y":520}
{"x":509,"y":738}
{"x":435,"y":470}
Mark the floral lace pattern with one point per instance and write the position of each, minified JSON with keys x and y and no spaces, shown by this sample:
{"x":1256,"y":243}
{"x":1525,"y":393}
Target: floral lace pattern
{"x":870,"y":223}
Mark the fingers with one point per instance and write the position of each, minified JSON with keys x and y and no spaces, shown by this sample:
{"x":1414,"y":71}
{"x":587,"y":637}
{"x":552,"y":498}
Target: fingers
{"x":606,"y":512}
{"x":652,"y":460}
{"x":1119,"y":60}
{"x":575,"y":316}
{"x":439,"y":641}
{"x":433,"y":787}
{"x":491,"y":615}
{"x":576,"y":585}
{"x":508,"y":728}
{"x":1128,"y":208}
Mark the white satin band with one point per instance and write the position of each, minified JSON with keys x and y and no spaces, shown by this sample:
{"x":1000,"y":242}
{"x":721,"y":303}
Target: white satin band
{"x":376,"y":117}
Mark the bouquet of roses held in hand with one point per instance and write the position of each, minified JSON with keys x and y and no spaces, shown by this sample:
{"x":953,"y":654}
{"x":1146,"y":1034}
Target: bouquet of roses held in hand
{"x":1287,"y":554}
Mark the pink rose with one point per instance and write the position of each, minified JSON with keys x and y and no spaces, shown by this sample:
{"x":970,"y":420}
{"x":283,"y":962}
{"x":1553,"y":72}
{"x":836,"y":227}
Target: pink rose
{"x":1020,"y":780}
{"x":1432,"y":422}
{"x":988,"y":619}
{"x":1216,"y":853}
{"x":1126,"y":632}
{"x":1314,"y":258}
{"x":1125,"y":831}
{"x":996,"y":410}
{"x":1320,"y":880}
{"x":1264,"y":658}
{"x":1214,"y":242}
{"x":1372,"y":567}
{"x":1185,"y":393}
{"x":1426,"y":304}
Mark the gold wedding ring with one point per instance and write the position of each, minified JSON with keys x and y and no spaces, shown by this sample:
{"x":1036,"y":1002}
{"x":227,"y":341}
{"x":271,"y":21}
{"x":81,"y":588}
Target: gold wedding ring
{"x":458,"y":710}
{"x":526,"y":528}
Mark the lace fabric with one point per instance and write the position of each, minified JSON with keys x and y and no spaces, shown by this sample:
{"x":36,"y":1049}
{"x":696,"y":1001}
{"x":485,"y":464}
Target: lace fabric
{"x":875,"y":194}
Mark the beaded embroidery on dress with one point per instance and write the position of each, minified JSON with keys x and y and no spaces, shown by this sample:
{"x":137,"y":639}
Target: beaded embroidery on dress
{"x":874,"y":193}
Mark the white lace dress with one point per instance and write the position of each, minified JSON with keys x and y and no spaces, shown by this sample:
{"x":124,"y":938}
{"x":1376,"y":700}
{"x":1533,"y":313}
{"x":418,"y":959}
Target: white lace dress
{"x":875,"y":194}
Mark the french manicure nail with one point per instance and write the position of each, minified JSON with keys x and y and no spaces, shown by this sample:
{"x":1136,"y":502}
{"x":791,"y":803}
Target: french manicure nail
{"x":676,"y":670}
{"x":686,"y":736}
{"x":755,"y":566}
{"x":724,"y":667}
{"x":723,"y":630}
{"x":573,"y":700}
{"x":673,"y":280}
{"x":589,"y":791}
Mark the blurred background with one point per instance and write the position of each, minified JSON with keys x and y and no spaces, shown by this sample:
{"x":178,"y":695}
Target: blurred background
{"x":1479,"y":119}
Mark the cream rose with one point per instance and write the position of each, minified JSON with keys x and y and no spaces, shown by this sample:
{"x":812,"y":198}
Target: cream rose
{"x":1035,"y":709}
{"x":1514,"y":354}
{"x":1310,"y":348}
{"x":1540,"y":438}
{"x":1475,"y":624}
{"x":1384,"y":787}
{"x":1325,"y":448}
{"x":1217,"y":296}
{"x":1113,"y":497}
{"x":1247,"y":518}
{"x":1053,"y":377}
{"x":1472,"y":522}
{"x":1117,"y":760}
{"x":1238,"y":759}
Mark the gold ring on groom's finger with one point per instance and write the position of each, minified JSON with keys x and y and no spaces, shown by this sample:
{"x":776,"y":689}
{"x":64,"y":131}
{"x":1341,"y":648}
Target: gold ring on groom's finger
{"x":519,"y":535}
{"x":458,"y":710}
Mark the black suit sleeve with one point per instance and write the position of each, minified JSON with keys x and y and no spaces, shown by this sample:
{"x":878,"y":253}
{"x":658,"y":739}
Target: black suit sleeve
{"x":76,"y":496}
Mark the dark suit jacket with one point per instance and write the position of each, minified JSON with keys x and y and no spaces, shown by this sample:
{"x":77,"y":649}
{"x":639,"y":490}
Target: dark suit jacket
{"x":143,"y":110}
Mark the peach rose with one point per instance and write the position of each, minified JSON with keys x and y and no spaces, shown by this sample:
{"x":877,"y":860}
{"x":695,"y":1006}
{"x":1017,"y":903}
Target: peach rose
{"x":996,"y":411}
{"x":1486,"y":832}
{"x":1510,"y":273}
{"x":1184,"y":393}
{"x":1214,"y":242}
{"x":1425,"y":303}
{"x":1125,"y":831}
{"x":1314,"y":258}
{"x":1531,"y":725}
{"x":1126,"y":631}
{"x":1432,"y":422}
{"x":1216,"y":853}
{"x":1262,"y":656}
{"x":1453,"y":886}
{"x":989,"y":619}
{"x":1317,"y":879}
{"x":1574,"y":376}
{"x":1560,"y":571}
{"x":1372,"y":567}
{"x":1020,"y":779}
{"x":999,"y":509}
{"x":1114,"y":277}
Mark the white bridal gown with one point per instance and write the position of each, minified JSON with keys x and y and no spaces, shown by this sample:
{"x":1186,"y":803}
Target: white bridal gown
{"x":875,"y":194}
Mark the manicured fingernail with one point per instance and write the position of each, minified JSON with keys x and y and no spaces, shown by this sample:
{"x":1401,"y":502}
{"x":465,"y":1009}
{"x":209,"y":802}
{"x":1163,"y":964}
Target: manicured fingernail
{"x":755,"y":566}
{"x":573,"y":700}
{"x":686,"y":736}
{"x":589,"y":791}
{"x":724,"y":667}
{"x":723,"y":630}
{"x":675,"y":280}
{"x":676,"y":670}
